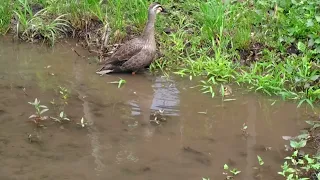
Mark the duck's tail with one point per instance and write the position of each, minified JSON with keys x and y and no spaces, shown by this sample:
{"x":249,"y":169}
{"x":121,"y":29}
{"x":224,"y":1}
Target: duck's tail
{"x":104,"y":72}
{"x":105,"y":69}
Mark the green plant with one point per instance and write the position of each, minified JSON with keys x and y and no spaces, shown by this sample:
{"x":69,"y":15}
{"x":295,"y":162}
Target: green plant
{"x":244,"y":130}
{"x":62,"y":117}
{"x":233,"y":171}
{"x":261,"y":162}
{"x":120,"y":82}
{"x":299,"y":165}
{"x":40,"y":110}
{"x":6,"y":15}
{"x":64,"y":94}
{"x":82,"y":123}
{"x":39,"y":25}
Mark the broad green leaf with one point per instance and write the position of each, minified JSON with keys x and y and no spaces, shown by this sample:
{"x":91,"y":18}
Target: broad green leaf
{"x":301,"y":46}
{"x":298,"y":145}
{"x":310,"y":23}
{"x":315,"y":77}
{"x":260,"y":160}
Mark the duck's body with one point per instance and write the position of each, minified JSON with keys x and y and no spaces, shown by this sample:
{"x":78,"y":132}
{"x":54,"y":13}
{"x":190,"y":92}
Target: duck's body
{"x":137,"y":53}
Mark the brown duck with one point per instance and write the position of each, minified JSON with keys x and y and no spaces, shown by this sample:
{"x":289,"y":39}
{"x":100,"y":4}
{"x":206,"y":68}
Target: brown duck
{"x":137,"y":53}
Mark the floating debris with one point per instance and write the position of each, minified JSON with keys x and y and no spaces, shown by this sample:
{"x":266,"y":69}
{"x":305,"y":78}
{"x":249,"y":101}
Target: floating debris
{"x":158,"y":117}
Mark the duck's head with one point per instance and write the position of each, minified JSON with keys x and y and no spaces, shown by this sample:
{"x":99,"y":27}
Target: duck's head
{"x":156,"y":8}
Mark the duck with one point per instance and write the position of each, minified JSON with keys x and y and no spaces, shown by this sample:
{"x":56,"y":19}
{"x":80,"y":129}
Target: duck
{"x":137,"y":53}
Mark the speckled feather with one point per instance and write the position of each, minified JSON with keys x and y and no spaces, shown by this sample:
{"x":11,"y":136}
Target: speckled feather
{"x":135,"y":63}
{"x":126,"y":51}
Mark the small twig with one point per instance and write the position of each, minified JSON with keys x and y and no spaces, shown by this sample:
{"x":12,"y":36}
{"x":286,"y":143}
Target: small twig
{"x":24,"y":91}
{"x":105,"y":39}
{"x":94,"y":51}
{"x":76,"y":52}
{"x":106,"y":36}
{"x":275,"y":10}
{"x":87,"y":41}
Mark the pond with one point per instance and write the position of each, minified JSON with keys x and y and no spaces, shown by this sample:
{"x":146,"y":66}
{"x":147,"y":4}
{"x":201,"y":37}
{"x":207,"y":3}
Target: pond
{"x":193,"y":138}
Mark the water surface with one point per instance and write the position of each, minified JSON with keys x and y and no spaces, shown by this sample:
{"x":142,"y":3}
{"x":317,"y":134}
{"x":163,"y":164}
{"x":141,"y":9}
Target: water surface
{"x":199,"y":136}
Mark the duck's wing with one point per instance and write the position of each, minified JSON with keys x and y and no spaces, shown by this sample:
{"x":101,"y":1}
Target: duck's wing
{"x":126,"y":51}
{"x":140,"y":60}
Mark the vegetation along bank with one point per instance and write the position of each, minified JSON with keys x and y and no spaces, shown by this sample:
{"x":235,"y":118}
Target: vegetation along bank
{"x":267,"y":45}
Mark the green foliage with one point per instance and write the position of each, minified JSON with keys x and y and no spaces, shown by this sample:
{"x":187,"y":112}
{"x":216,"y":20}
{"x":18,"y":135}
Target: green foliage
{"x":205,"y":38}
{"x":232,"y":26}
{"x":299,"y":165}
{"x":261,"y":162}
{"x":120,"y":82}
{"x":40,"y":25}
{"x":40,"y":109}
{"x":233,"y":171}
{"x":6,"y":15}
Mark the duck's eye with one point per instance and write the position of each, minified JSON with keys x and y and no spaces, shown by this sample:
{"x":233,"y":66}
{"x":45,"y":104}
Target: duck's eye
{"x":159,"y":9}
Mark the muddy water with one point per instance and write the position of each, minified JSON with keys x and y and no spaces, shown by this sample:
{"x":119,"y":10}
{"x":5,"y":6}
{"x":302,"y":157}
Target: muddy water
{"x":199,"y":135}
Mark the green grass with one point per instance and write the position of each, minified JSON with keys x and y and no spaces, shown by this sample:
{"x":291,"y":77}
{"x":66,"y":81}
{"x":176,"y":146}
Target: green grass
{"x":206,"y":38}
{"x":6,"y":15}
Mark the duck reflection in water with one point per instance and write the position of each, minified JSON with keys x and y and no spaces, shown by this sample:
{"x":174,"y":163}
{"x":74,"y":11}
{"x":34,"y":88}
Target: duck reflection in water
{"x":161,"y":99}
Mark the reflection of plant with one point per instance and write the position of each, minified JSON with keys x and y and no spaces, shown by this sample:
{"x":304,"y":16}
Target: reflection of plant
{"x":40,"y":109}
{"x":244,"y":130}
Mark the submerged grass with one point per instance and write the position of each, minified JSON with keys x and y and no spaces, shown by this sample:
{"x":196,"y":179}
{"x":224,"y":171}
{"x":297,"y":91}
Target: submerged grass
{"x":270,"y":46}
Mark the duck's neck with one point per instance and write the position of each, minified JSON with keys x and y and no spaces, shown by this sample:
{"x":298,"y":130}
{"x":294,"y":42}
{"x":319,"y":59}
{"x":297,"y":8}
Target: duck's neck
{"x":148,"y":33}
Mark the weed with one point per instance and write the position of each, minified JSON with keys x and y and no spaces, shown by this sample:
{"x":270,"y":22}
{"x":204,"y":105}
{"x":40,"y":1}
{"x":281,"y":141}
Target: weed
{"x":244,"y":130}
{"x":261,"y":162}
{"x":82,"y":123}
{"x":40,"y":25}
{"x":120,"y":82}
{"x":300,"y":165}
{"x":62,"y":117}
{"x":6,"y":15}
{"x":40,"y":110}
{"x":233,"y":171}
{"x":64,"y":94}
{"x":259,"y":168}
